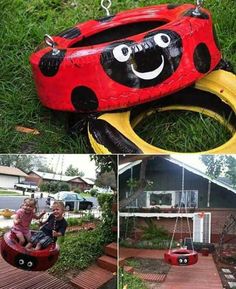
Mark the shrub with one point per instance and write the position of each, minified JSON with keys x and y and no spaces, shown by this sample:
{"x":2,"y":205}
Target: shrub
{"x":131,"y":281}
{"x":73,"y":221}
{"x":79,"y":250}
{"x":88,"y":217}
{"x":105,"y":198}
{"x":93,"y":192}
{"x":54,"y":187}
{"x":152,"y":231}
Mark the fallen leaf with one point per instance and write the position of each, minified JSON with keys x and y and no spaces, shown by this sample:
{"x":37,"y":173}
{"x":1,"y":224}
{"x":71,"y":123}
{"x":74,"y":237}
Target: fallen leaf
{"x":27,"y":130}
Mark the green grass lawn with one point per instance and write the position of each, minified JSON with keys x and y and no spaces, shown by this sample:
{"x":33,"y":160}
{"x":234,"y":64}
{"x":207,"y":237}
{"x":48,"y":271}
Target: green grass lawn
{"x":9,"y":193}
{"x":23,"y":25}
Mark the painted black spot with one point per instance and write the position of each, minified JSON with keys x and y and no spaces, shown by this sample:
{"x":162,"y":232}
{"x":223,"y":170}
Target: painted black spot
{"x":84,"y":99}
{"x":192,"y":13}
{"x":173,"y":6}
{"x":70,"y":33}
{"x":51,"y":258}
{"x":143,"y":64}
{"x":106,"y":19}
{"x":202,"y":58}
{"x":183,"y":260}
{"x":4,"y":254}
{"x":49,"y":64}
{"x":25,"y":262}
{"x":106,"y":135}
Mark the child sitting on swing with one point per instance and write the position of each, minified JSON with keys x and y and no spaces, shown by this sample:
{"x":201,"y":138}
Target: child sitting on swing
{"x":55,"y":226}
{"x":22,"y":220}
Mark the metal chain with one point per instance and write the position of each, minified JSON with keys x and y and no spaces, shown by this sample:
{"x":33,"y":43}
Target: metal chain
{"x":106,"y":7}
{"x":199,"y":4}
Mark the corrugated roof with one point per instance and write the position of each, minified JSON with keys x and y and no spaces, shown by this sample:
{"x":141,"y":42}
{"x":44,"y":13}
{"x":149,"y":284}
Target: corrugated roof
{"x":88,"y":181}
{"x":199,"y":173}
{"x":12,"y":171}
{"x":126,"y":166}
{"x":52,"y":176}
{"x":63,"y":178}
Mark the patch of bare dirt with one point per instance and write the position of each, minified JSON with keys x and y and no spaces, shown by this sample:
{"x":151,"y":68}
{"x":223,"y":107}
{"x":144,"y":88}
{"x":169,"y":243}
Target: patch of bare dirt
{"x":143,"y":265}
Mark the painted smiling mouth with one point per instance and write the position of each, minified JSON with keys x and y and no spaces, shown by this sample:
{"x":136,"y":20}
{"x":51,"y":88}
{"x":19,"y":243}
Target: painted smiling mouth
{"x":149,"y":74}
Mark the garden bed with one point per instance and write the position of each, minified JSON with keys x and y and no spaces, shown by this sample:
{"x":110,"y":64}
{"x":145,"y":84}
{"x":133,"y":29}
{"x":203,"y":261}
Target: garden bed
{"x":226,"y":269}
{"x":150,"y":266}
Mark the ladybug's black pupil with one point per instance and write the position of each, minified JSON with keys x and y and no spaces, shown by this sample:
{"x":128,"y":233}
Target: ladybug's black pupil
{"x":125,"y":50}
{"x":164,"y":38}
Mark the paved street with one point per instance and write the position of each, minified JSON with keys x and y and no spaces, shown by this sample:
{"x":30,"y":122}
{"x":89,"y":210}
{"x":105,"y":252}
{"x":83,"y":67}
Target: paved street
{"x":14,"y":203}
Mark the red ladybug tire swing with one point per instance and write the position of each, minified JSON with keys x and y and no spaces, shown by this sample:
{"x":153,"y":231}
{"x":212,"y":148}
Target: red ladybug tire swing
{"x":181,"y":257}
{"x":36,"y":260}
{"x":126,"y":59}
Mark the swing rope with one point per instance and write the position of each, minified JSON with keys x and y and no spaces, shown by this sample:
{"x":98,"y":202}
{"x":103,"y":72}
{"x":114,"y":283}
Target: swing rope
{"x":179,"y":212}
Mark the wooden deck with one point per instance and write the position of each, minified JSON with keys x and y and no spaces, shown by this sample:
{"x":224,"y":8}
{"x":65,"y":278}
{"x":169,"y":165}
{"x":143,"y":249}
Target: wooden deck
{"x":13,"y":278}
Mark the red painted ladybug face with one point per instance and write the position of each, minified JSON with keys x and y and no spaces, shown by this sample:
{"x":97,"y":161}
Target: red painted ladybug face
{"x":143,"y":64}
{"x":183,"y":260}
{"x":25,"y":262}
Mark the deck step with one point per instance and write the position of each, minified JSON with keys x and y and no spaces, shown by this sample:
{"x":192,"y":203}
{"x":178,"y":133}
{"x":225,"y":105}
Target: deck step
{"x":151,"y":277}
{"x":108,"y":263}
{"x":93,"y":277}
{"x":111,"y":250}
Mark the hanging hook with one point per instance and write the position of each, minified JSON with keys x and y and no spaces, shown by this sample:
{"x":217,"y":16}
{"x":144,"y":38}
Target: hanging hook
{"x":199,"y":4}
{"x":50,"y":42}
{"x":106,"y":7}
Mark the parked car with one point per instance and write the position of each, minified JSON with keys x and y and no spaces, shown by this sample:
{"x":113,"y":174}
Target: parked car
{"x":72,"y":201}
{"x":27,"y":186}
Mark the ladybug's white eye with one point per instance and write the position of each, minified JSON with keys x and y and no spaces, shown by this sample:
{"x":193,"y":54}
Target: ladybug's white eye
{"x":122,"y":52}
{"x":29,"y":264}
{"x":162,"y":40}
{"x":21,"y":262}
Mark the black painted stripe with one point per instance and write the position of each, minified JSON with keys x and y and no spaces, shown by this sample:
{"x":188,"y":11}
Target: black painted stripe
{"x":70,"y":33}
{"x":106,"y":135}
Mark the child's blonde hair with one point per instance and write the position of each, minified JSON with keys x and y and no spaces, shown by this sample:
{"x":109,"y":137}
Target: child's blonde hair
{"x":31,"y":201}
{"x":60,"y":204}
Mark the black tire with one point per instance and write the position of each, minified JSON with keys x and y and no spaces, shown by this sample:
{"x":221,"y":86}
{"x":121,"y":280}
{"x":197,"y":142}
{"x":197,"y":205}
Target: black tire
{"x":89,"y":207}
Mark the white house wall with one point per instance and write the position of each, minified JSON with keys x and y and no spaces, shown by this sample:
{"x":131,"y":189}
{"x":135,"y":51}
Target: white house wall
{"x":8,"y":182}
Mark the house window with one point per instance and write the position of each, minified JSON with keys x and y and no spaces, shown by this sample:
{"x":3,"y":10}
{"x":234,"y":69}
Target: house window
{"x":167,"y":199}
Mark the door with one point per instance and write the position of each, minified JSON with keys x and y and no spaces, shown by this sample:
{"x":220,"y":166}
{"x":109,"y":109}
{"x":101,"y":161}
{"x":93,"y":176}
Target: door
{"x":202,"y":227}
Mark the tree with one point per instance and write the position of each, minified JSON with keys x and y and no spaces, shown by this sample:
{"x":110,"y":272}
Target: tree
{"x":217,"y":165}
{"x":139,"y":188}
{"x":105,"y":163}
{"x":24,"y":162}
{"x":107,"y":179}
{"x":71,"y":171}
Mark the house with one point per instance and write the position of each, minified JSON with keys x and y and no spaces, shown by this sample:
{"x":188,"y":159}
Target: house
{"x":177,"y":190}
{"x":9,"y":176}
{"x":75,"y":182}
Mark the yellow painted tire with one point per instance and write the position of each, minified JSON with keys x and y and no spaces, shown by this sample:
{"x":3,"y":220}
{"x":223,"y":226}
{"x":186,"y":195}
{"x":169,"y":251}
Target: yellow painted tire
{"x":113,"y":132}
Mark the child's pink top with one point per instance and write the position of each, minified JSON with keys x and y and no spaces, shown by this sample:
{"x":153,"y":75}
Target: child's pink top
{"x":26,"y":219}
